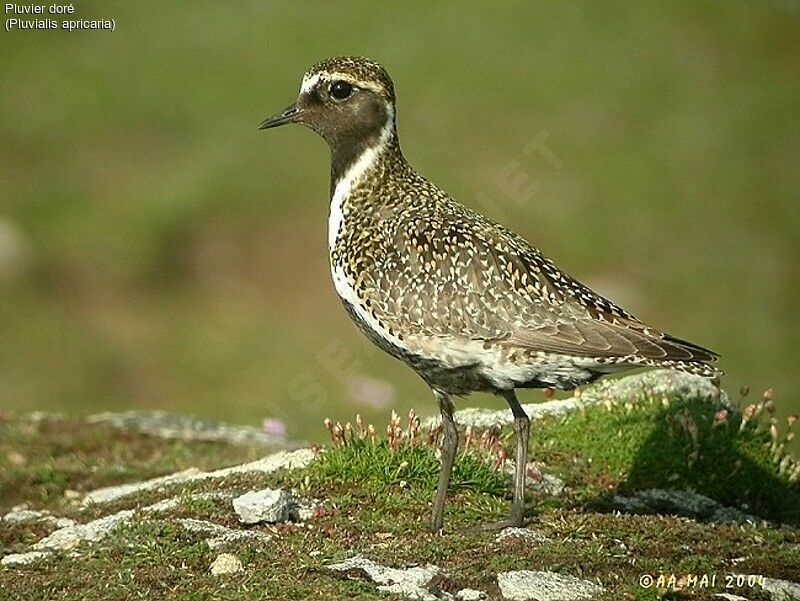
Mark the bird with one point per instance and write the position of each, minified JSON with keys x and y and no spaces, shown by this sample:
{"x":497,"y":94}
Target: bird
{"x":466,"y":303}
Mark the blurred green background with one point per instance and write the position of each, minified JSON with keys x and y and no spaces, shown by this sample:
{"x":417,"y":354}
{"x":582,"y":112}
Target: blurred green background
{"x":158,"y":252}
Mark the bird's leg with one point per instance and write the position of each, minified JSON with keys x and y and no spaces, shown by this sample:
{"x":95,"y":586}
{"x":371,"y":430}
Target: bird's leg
{"x":521,"y":430}
{"x":449,"y":447}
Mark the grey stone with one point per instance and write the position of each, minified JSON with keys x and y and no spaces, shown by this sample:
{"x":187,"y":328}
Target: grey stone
{"x":266,"y":505}
{"x":18,"y":517}
{"x":654,"y":383}
{"x":537,"y":480}
{"x":221,"y":536}
{"x":280,"y":460}
{"x":526,"y":534}
{"x":22,"y":559}
{"x":778,"y":590}
{"x":782,"y":590}
{"x":225,"y":563}
{"x":71,"y":536}
{"x":24,"y":516}
{"x":470,"y":594}
{"x":411,"y":583}
{"x":681,"y":502}
{"x":529,"y":585}
{"x":301,"y":509}
{"x":186,"y":427}
{"x":546,"y":484}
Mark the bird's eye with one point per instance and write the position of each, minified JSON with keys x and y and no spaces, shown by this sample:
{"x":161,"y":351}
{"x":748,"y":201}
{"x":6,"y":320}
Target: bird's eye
{"x":341,"y":90}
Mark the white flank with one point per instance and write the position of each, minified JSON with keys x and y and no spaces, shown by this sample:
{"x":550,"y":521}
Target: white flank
{"x":348,"y":294}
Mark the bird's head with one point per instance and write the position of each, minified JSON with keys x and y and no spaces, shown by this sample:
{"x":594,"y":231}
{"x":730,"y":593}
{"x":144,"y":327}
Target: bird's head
{"x":349,"y":101}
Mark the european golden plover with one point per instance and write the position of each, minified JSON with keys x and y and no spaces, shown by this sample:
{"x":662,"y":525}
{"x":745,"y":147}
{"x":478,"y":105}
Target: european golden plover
{"x":466,"y":303}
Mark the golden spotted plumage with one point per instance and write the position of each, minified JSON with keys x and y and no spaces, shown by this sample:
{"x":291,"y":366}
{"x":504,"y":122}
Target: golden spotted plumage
{"x":468,"y":304}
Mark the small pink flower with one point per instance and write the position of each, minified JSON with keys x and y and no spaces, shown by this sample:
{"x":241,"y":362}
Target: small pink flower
{"x":273,"y":426}
{"x":370,"y":392}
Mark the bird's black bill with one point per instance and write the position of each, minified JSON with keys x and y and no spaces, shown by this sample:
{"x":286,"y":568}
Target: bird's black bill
{"x":288,"y":115}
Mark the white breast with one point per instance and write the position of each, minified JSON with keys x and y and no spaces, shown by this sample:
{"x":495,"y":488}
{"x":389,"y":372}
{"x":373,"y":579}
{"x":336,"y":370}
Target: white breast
{"x":353,"y":176}
{"x":343,"y":188}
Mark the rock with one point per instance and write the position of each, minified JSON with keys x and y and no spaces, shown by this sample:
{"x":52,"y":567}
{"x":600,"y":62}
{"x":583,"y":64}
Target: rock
{"x":681,"y":502}
{"x":187,"y":427}
{"x":220,"y":536}
{"x":19,"y":517}
{"x":480,"y":418}
{"x":411,"y":583}
{"x":470,"y":594}
{"x":546,"y":484}
{"x":654,"y":383}
{"x":525,"y":534}
{"x":778,"y":590}
{"x":72,"y":495}
{"x":782,"y":590}
{"x":68,"y":537}
{"x":729,"y":597}
{"x":22,"y":516}
{"x":630,"y":504}
{"x":302,"y":509}
{"x":524,"y":585}
{"x":267,"y":505}
{"x":282,"y":460}
{"x":16,"y":459}
{"x":21,"y":559}
{"x":71,"y":536}
{"x":225,"y":563}
{"x":112,"y":493}
{"x":537,"y":480}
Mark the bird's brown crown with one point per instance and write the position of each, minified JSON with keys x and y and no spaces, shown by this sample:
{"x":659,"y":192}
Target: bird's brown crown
{"x":356,"y":70}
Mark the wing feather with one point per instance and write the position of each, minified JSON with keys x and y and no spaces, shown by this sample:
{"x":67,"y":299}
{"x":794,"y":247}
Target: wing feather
{"x":486,"y":283}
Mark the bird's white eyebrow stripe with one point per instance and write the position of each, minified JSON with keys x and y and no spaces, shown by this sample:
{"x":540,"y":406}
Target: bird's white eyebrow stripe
{"x":309,"y":83}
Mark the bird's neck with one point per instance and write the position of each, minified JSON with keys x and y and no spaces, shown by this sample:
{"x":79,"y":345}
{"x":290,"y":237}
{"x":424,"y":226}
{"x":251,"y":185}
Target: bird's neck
{"x":353,"y":157}
{"x":359,"y":170}
{"x":366,"y":161}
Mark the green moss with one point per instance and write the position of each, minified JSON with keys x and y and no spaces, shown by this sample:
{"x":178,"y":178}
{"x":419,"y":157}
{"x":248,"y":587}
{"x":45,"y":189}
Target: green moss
{"x":375,"y":501}
{"x":673,"y":443}
{"x":42,"y":458}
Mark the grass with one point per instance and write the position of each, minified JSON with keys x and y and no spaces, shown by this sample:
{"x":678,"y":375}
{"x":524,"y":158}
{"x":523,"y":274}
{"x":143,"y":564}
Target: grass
{"x":675,"y":443}
{"x":42,"y":458}
{"x":406,"y":459}
{"x":375,"y":493}
{"x":374,"y":465}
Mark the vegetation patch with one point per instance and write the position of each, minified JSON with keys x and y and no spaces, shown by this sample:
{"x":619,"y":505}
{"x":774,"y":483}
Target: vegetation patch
{"x":42,"y":457}
{"x":405,"y":458}
{"x":736,"y":458}
{"x":374,"y":494}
